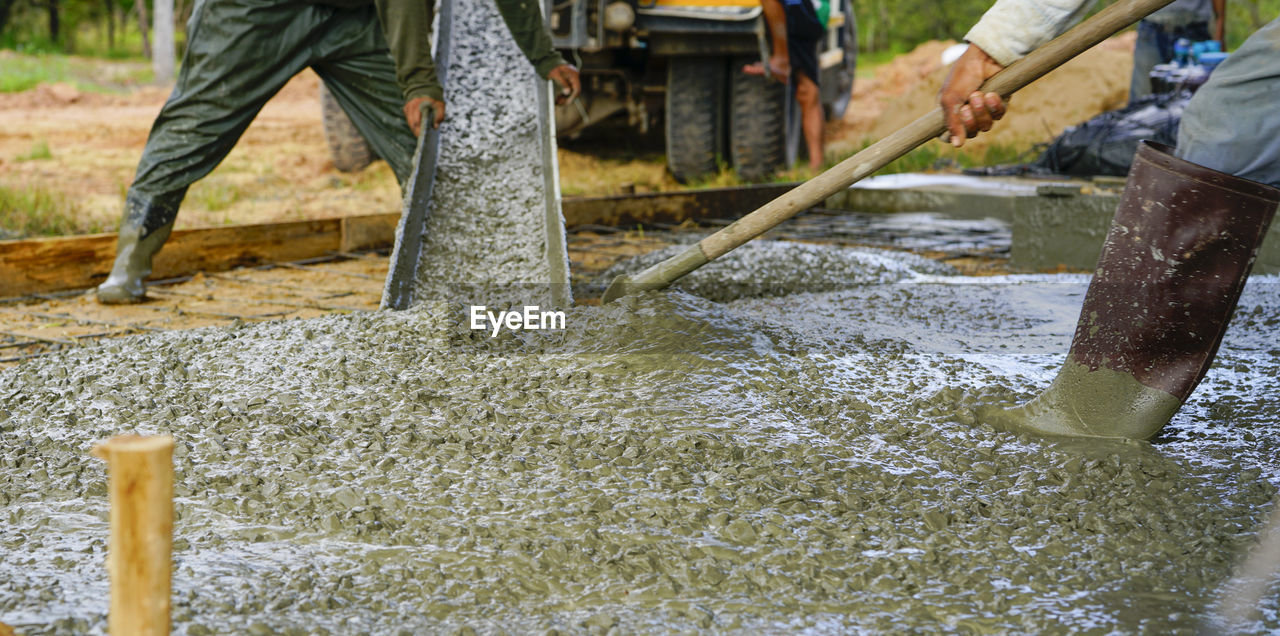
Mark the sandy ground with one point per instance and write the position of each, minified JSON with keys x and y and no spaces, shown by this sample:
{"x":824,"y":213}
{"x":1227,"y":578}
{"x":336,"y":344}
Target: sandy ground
{"x":907,"y":87}
{"x":280,"y":170}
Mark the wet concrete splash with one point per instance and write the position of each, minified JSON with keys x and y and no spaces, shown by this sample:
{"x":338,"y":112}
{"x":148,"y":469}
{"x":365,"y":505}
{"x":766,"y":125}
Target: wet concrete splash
{"x":780,"y":268}
{"x":667,"y":463}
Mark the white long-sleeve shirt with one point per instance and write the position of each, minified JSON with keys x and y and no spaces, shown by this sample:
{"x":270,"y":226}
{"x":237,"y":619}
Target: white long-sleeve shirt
{"x":1012,"y":28}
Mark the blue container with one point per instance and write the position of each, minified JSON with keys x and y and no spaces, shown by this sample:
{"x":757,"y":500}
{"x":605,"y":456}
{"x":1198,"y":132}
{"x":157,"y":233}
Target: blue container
{"x":1211,"y":60}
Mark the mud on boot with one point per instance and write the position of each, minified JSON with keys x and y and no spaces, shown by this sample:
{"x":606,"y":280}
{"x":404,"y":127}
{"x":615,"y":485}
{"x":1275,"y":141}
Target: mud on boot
{"x":1171,"y":271}
{"x":142,"y":233}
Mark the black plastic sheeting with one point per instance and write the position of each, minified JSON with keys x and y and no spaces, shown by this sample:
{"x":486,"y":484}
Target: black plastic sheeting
{"x":1105,"y":144}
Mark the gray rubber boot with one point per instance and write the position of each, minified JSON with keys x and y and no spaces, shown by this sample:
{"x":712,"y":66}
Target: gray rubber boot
{"x":142,"y":233}
{"x":1179,"y":250}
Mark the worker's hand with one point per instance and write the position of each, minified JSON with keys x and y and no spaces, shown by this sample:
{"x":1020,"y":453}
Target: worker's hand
{"x":566,"y":76}
{"x":413,"y":113}
{"x":968,"y":110}
{"x":779,"y":68}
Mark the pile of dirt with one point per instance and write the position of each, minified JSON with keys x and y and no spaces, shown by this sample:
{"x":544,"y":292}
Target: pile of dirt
{"x":907,"y":87}
{"x":871,"y":96}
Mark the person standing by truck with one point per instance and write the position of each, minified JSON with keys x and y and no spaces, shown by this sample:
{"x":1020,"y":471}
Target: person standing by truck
{"x":1157,"y":33}
{"x":373,"y":55}
{"x":795,"y":30}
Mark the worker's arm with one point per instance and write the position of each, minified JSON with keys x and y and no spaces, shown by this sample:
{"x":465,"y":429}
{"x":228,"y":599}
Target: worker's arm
{"x":1220,"y":22}
{"x":406,"y":23}
{"x":524,"y":20}
{"x":1007,"y":32}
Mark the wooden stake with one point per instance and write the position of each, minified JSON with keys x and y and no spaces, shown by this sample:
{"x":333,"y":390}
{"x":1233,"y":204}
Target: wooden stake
{"x":139,"y":554}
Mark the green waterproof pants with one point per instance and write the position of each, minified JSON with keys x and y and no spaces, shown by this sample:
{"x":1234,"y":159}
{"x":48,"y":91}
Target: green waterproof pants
{"x":239,"y":54}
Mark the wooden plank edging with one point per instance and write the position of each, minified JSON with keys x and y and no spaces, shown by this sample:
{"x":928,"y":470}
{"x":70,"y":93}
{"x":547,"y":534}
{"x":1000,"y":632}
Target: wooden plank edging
{"x":45,"y":265}
{"x":77,"y":262}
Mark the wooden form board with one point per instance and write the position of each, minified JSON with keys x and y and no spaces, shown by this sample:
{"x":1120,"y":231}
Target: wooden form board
{"x":78,"y":262}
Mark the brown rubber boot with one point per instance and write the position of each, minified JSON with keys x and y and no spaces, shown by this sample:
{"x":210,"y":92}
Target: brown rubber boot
{"x":142,"y":233}
{"x":1175,"y":260}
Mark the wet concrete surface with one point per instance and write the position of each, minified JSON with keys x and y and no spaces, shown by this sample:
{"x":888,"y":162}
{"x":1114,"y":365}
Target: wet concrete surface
{"x":792,"y":268}
{"x":668,"y":463}
{"x":917,"y":231}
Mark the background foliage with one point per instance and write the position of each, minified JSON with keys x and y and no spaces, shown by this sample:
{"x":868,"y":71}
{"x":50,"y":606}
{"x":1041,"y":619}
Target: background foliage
{"x":897,"y":26}
{"x":100,"y":28}
{"x":113,"y":28}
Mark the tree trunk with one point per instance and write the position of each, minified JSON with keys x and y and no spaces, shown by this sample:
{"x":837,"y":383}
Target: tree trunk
{"x":142,"y":26}
{"x":110,"y":11}
{"x":162,"y":53}
{"x":54,"y":26}
{"x":5,"y":5}
{"x":179,"y":19}
{"x":886,"y":24}
{"x":1255,"y":15}
{"x":120,"y":19}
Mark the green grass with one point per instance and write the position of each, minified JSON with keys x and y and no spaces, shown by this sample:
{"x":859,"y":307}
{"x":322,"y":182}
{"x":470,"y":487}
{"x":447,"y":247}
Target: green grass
{"x":870,"y":60}
{"x":128,"y":46}
{"x":215,"y":195}
{"x":23,"y":71}
{"x":37,"y":211}
{"x":723,"y":177}
{"x":935,"y":156}
{"x":373,"y":176}
{"x":27,"y":32}
{"x":40,"y":150}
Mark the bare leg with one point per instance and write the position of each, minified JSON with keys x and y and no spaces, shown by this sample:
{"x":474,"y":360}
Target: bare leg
{"x":811,"y":121}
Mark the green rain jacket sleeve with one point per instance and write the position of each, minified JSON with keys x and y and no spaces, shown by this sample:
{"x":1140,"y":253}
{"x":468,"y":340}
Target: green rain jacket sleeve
{"x":524,"y":20}
{"x":407,"y":26}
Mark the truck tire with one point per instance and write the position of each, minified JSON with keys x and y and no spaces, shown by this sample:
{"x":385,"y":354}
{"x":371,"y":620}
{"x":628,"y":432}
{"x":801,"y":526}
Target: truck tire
{"x":347,"y":147}
{"x":757,"y":130}
{"x":694,"y":116}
